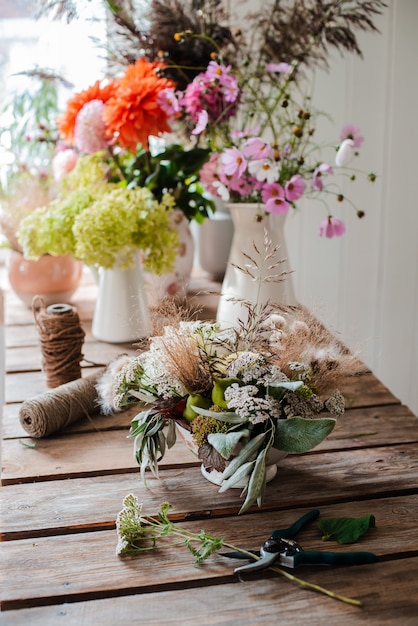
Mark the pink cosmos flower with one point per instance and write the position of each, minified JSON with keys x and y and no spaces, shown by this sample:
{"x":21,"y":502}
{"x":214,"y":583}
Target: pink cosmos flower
{"x":202,"y":122}
{"x":168,"y":101}
{"x":209,"y":173}
{"x":316,"y":182}
{"x":273,"y":196}
{"x":233,"y":162}
{"x":90,"y":129}
{"x":63,"y":162}
{"x":352,"y":132}
{"x":331,"y":227}
{"x":256,"y":148}
{"x":279,"y":68}
{"x":295,"y":188}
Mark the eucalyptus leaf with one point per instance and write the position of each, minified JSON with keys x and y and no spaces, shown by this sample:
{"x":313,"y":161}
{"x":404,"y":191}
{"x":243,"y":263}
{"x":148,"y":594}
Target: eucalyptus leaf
{"x":297,"y":434}
{"x":247,"y":451}
{"x":225,"y":443}
{"x":171,"y":434}
{"x":256,"y":482}
{"x":345,"y":529}
{"x":241,"y":472}
{"x":225,"y":416}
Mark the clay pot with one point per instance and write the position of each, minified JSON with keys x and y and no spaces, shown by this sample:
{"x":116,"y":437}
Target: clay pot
{"x":54,"y":278}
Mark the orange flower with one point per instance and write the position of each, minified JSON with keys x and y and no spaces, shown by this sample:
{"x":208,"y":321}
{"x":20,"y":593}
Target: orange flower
{"x":66,"y":122}
{"x":133,"y":113}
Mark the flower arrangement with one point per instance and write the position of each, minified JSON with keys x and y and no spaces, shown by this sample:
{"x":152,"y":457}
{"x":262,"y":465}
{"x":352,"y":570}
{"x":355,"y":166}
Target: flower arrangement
{"x":246,"y":94}
{"x":121,"y":119}
{"x":102,"y":223}
{"x":241,"y":393}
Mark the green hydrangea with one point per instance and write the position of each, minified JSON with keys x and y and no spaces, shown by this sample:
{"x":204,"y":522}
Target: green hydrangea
{"x":103,"y":224}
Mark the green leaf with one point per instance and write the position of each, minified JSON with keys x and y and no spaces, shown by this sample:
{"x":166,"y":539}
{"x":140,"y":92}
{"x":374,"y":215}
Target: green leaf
{"x":297,"y":435}
{"x":345,"y":529}
{"x":247,"y":451}
{"x":225,"y":443}
{"x":242,"y":471}
{"x":225,"y":416}
{"x":256,"y":482}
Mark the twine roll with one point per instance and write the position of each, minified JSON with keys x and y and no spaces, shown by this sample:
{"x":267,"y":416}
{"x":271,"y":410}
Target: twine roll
{"x":61,"y":338}
{"x":53,"y":410}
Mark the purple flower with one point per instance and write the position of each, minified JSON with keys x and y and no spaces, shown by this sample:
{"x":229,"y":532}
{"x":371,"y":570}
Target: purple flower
{"x":352,"y":132}
{"x":331,"y":227}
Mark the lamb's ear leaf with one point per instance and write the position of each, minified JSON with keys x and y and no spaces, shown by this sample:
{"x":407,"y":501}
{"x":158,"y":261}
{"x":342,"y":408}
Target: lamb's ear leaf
{"x":298,"y":434}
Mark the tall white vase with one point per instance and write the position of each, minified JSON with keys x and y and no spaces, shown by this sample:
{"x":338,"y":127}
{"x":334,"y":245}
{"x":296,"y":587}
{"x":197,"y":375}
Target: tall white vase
{"x":249,"y":236}
{"x":122,"y":313}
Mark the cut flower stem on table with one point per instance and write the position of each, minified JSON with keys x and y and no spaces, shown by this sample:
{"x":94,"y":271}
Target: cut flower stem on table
{"x":138,"y":532}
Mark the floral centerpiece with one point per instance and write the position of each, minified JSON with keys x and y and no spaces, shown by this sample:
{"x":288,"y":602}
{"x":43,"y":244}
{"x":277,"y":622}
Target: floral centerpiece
{"x":269,"y":385}
{"x":253,"y":105}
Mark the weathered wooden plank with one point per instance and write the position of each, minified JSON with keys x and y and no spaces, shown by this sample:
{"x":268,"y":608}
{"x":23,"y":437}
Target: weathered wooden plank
{"x":356,"y":428}
{"x":75,"y":456}
{"x":12,"y":428}
{"x":25,"y":385}
{"x":251,"y":603}
{"x":81,"y":566}
{"x":38,"y":508}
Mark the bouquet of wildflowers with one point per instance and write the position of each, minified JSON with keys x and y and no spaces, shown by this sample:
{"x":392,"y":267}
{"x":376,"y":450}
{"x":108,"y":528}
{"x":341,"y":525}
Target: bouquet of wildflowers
{"x":246,"y":95}
{"x":240,"y":393}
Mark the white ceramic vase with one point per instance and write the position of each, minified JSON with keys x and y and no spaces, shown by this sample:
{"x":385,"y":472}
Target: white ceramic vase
{"x":174,"y":284}
{"x":121,"y":314}
{"x":214,"y":238}
{"x":250,"y":235}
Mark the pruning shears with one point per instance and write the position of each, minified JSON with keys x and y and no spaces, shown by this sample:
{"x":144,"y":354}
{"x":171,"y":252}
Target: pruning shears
{"x":283,"y":549}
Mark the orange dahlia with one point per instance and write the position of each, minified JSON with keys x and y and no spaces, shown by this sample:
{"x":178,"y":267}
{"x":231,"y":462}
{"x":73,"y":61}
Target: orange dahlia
{"x":133,"y":113}
{"x":66,"y":122}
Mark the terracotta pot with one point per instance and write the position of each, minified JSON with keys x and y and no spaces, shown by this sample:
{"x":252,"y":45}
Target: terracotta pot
{"x":54,"y":278}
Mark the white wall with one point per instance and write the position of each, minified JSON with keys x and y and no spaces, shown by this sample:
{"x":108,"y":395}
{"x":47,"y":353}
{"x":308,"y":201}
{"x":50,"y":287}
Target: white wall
{"x":366,"y":283}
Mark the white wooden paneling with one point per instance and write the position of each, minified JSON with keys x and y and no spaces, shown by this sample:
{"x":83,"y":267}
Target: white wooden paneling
{"x":366,"y":283}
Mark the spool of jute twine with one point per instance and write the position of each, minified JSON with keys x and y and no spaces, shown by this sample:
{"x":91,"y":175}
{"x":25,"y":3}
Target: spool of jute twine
{"x":61,"y":338}
{"x":53,"y":410}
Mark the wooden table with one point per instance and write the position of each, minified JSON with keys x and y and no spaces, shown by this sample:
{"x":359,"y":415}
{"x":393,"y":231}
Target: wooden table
{"x":60,"y":499}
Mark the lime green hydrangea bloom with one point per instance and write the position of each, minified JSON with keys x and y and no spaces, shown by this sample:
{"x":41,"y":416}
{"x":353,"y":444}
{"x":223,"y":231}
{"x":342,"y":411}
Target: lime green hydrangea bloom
{"x":121,"y":222}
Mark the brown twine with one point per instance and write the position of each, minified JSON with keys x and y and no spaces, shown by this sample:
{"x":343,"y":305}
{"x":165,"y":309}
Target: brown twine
{"x":61,"y":339}
{"x":51,"y":411}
